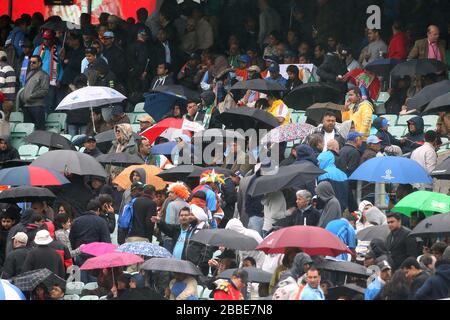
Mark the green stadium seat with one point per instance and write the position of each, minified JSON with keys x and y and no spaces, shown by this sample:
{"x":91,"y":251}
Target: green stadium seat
{"x":90,"y":297}
{"x":71,"y":297}
{"x":43,"y":150}
{"x":67,"y":136}
{"x":28,"y":151}
{"x":56,"y":122}
{"x":136,"y":127}
{"x":12,"y":126}
{"x":139,"y":108}
{"x":132,"y":117}
{"x":16,"y":117}
{"x":21,"y":130}
{"x":402,"y":120}
{"x":75,"y":287}
{"x":398,"y":131}
{"x":431,"y":120}
{"x":77,"y":137}
{"x":392,"y":118}
{"x":90,"y":286}
{"x":383,"y":97}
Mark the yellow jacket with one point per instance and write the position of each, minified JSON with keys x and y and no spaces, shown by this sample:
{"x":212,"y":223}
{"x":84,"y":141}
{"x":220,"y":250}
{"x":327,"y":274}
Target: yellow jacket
{"x":362,"y":118}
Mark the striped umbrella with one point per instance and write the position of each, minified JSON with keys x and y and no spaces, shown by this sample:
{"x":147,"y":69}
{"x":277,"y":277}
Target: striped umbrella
{"x":31,"y":176}
{"x":9,"y":291}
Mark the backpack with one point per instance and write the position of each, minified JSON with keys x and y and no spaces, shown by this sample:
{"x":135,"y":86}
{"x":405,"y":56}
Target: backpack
{"x":126,"y":218}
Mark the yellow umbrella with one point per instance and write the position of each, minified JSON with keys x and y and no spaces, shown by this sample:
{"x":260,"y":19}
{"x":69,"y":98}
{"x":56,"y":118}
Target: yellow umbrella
{"x":123,"y":179}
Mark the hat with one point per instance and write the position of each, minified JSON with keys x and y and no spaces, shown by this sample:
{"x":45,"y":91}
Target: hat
{"x":137,"y":185}
{"x":244,"y":58}
{"x":146,"y":118}
{"x":108,"y":34}
{"x":48,"y":34}
{"x":199,"y":213}
{"x":352,"y":136}
{"x":185,"y":138}
{"x":90,"y":138}
{"x":242,"y":274}
{"x":274,"y":67}
{"x":254,"y":69}
{"x":117,"y":110}
{"x":446,"y":254}
{"x":384,"y":122}
{"x":43,"y":238}
{"x":3,"y":54}
{"x":384,"y":265}
{"x":21,"y":237}
{"x":237,"y":174}
{"x":373,"y":140}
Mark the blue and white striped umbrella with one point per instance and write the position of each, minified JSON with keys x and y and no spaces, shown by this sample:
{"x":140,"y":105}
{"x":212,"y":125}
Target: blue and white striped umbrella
{"x":9,"y":291}
{"x":145,"y":249}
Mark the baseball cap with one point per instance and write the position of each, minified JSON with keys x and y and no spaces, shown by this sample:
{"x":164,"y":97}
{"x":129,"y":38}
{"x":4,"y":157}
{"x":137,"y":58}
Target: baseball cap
{"x":244,"y":58}
{"x":384,"y":123}
{"x":242,"y":274}
{"x":3,"y":54}
{"x":373,"y":140}
{"x":352,"y":136}
{"x":21,"y":237}
{"x":146,"y":118}
{"x":137,"y":185}
{"x":384,"y":265}
{"x":274,"y":67}
{"x":90,"y":138}
{"x":108,"y":34}
{"x":254,"y":69}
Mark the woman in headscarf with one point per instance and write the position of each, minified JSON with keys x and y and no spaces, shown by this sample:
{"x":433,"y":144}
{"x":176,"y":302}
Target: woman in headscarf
{"x":124,"y":139}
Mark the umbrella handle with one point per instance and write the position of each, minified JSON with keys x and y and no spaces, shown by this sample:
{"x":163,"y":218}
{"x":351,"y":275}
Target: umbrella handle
{"x":93,"y":122}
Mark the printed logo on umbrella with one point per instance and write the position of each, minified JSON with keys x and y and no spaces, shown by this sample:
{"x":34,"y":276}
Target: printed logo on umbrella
{"x":437,"y":204}
{"x":75,"y":98}
{"x":388,"y":175}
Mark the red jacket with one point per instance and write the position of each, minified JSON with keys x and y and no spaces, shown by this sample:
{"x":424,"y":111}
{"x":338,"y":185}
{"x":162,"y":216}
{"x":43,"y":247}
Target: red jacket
{"x":397,"y":46}
{"x":226,"y":291}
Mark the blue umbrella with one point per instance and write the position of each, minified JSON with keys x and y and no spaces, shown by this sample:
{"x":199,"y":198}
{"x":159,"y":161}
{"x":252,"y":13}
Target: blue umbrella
{"x":145,"y":249}
{"x":164,"y":148}
{"x":158,"y":104}
{"x":9,"y":291}
{"x":391,"y":170}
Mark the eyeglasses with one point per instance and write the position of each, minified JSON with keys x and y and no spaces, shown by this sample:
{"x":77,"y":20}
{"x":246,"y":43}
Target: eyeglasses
{"x":34,"y":62}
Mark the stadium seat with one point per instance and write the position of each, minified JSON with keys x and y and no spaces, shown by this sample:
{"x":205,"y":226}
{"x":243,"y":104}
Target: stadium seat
{"x":136,"y":127}
{"x":71,"y":297}
{"x":42,"y":150}
{"x":28,"y":152}
{"x":137,"y":116}
{"x":444,"y":141}
{"x":431,"y":120}
{"x":75,"y":287}
{"x":131,"y":116}
{"x":21,"y":130}
{"x":392,"y":118}
{"x":74,"y":138}
{"x":103,"y":298}
{"x":56,"y":122}
{"x":12,"y":126}
{"x":89,"y":297}
{"x":383,"y":97}
{"x":139,"y":108}
{"x":16,"y":117}
{"x":403,"y":120}
{"x":397,"y":132}
{"x":81,"y":149}
{"x":205,"y":294}
{"x":200,"y":290}
{"x":90,"y":286}
{"x":67,"y":136}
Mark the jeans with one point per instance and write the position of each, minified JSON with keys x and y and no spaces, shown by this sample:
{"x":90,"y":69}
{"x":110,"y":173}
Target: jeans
{"x":35,"y":115}
{"x":256,"y":223}
{"x":50,"y":100}
{"x":76,"y":129}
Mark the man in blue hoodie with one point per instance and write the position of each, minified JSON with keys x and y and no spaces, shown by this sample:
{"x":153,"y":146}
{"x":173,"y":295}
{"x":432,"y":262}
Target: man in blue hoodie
{"x":306,"y":154}
{"x":387,"y":139}
{"x":415,"y":138}
{"x":17,"y":35}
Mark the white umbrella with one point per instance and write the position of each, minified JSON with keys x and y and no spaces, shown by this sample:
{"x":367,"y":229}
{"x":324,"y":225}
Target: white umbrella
{"x":9,"y":291}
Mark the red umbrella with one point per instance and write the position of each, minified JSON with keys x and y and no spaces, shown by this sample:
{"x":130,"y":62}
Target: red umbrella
{"x":31,"y":176}
{"x":360,"y":77}
{"x":111,"y":260}
{"x":170,"y":123}
{"x":311,"y":240}
{"x":98,"y":248}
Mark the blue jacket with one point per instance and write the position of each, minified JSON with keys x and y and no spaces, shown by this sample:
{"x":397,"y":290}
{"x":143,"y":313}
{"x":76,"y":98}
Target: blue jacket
{"x":438,"y":285}
{"x":306,"y":154}
{"x":373,"y":289}
{"x":16,"y":37}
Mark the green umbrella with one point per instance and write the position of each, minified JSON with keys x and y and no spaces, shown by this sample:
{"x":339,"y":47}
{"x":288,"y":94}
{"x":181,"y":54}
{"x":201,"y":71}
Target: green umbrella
{"x":424,"y":201}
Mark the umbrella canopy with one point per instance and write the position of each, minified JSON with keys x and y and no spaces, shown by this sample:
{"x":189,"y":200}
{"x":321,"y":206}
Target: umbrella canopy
{"x":318,"y":110}
{"x":423,"y":201}
{"x":217,"y":134}
{"x":296,"y":176}
{"x":375,"y":232}
{"x":440,"y":104}
{"x":314,"y":241}
{"x":111,"y":260}
{"x":15,"y":163}
{"x":71,"y":162}
{"x":98,"y":248}
{"x":197,"y":172}
{"x":164,"y":148}
{"x":308,"y":94}
{"x":224,"y":237}
{"x":26,"y":194}
{"x":255,"y":275}
{"x":179,"y":92}
{"x":432,"y":226}
{"x":347,"y":291}
{"x":442,"y":171}
{"x":247,"y":118}
{"x":361,"y":78}
{"x":178,"y":173}
{"x":122,"y":159}
{"x":171,"y":265}
{"x":345,"y":267}
{"x":428,"y":94}
{"x":31,"y":176}
{"x":9,"y":291}
{"x":260,"y":85}
{"x":287,"y":133}
{"x":145,"y":249}
{"x":170,"y":123}
{"x":391,"y":170}
{"x":382,"y":67}
{"x":62,"y":26}
{"x":418,"y":67}
{"x":123,"y":179}
{"x":49,"y":139}
{"x":28,"y":281}
{"x":90,"y":97}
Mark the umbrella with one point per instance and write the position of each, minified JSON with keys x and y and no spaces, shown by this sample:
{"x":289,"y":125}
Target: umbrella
{"x":314,"y":241}
{"x":26,"y":194}
{"x":164,"y":148}
{"x":122,"y":159}
{"x":105,"y":139}
{"x":418,"y":67}
{"x":218,"y":134}
{"x":391,"y":170}
{"x":255,"y":275}
{"x":287,"y":133}
{"x":428,"y":94}
{"x":170,"y":123}
{"x":111,"y":260}
{"x":423,"y":201}
{"x":308,"y":94}
{"x":171,"y":265}
{"x":178,"y":173}
{"x":71,"y":162}
{"x":375,"y":232}
{"x":145,"y":249}
{"x":90,"y":97}
{"x":31,"y":176}
{"x":347,"y":290}
{"x":9,"y":291}
{"x":435,"y":225}
{"x":123,"y":179}
{"x":295,"y":176}
{"x":197,"y":172}
{"x":247,"y":118}
{"x":224,"y":237}
{"x":260,"y":85}
{"x":440,"y":104}
{"x":98,"y":248}
{"x":382,"y":67}
{"x":49,"y":139}
{"x":62,"y":26}
{"x":442,"y":171}
{"x":28,"y":281}
{"x":360,"y":78}
{"x":346,"y":267}
{"x":318,"y":110}
{"x":15,"y":163}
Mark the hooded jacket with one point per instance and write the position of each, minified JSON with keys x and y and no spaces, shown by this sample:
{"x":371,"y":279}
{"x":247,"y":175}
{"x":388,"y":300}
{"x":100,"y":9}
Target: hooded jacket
{"x":20,"y":227}
{"x":296,"y":271}
{"x":438,"y":285}
{"x":386,"y":138}
{"x":332,"y":209}
{"x":350,"y":157}
{"x":376,"y":216}
{"x":306,"y":154}
{"x":416,"y":139}
{"x":126,"y":197}
{"x":10,"y":153}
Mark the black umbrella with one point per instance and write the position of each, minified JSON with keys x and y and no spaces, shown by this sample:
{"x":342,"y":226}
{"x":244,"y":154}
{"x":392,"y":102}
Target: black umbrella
{"x":347,"y":291}
{"x":179,"y":92}
{"x":49,"y":139}
{"x":295,"y":176}
{"x":28,"y":281}
{"x":440,"y":104}
{"x":418,"y":67}
{"x":210,"y":134}
{"x":432,"y":226}
{"x":26,"y":194}
{"x":247,"y":118}
{"x":428,"y":94}
{"x":345,"y":267}
{"x":15,"y":163}
{"x":442,"y":171}
{"x":382,"y":67}
{"x":197,"y":172}
{"x":375,"y":232}
{"x":62,"y":26}
{"x":308,"y":94}
{"x":255,"y":275}
{"x":229,"y":239}
{"x":179,"y":173}
{"x":171,"y":265}
{"x":260,"y":85}
{"x":318,"y":110}
{"x":122,"y":159}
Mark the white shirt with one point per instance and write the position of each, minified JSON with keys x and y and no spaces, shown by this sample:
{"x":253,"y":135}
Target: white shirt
{"x":327,"y":137}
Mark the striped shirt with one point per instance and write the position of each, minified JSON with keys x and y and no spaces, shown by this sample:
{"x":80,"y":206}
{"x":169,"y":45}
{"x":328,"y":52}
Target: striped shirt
{"x":8,"y":81}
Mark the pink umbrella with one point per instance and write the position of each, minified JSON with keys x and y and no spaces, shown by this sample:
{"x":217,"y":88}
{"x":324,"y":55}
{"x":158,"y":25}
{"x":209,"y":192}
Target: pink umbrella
{"x":98,"y":248}
{"x":111,"y":260}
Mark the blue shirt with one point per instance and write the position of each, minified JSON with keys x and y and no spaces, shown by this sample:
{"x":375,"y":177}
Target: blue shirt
{"x":281,"y":81}
{"x":344,"y":231}
{"x":179,"y":246}
{"x":373,"y":289}
{"x":309,"y":293}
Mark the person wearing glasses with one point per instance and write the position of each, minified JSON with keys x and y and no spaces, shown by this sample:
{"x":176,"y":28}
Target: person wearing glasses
{"x":33,"y":95}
